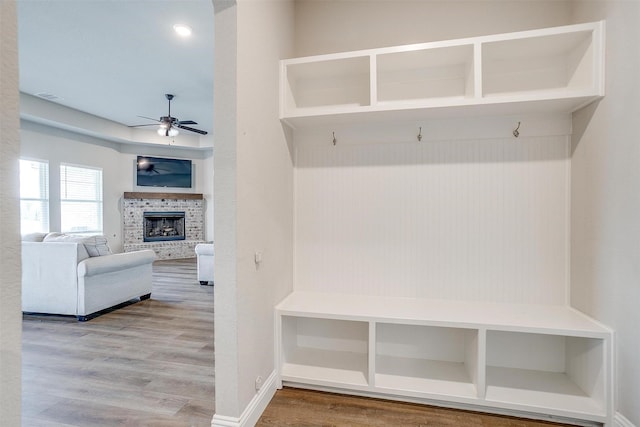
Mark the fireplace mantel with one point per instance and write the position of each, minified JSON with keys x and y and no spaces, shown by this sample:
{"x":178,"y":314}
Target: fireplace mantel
{"x":174,"y":196}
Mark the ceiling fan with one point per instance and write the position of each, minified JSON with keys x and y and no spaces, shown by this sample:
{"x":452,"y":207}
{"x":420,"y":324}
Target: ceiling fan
{"x":169,"y":125}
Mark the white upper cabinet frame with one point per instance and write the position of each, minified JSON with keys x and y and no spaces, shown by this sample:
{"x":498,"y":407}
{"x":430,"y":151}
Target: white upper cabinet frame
{"x":558,"y":69}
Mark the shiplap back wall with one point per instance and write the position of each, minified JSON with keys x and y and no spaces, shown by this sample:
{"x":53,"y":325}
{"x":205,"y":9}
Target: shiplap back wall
{"x":483,"y":219}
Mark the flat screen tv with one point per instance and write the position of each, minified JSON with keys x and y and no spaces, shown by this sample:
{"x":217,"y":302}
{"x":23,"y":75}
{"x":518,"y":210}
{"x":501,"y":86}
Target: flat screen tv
{"x":161,"y":172}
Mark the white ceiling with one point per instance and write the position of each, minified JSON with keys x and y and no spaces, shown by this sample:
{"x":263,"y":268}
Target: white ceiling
{"x":116,"y":59}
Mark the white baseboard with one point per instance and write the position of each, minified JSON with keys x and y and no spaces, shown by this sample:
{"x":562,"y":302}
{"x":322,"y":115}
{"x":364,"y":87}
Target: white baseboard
{"x":621,"y":421}
{"x":254,"y":409}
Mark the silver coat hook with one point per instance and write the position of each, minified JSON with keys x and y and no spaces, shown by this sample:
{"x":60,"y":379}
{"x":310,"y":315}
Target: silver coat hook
{"x":420,"y":134}
{"x":515,"y":132}
{"x":334,"y":138}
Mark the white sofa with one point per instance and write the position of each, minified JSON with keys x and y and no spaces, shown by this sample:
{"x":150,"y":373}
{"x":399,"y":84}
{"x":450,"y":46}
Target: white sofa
{"x":204,"y":253}
{"x":59,"y":277}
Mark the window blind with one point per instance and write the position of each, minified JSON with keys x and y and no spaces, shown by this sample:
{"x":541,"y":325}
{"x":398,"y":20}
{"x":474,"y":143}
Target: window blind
{"x":34,"y":196}
{"x":80,"y":199}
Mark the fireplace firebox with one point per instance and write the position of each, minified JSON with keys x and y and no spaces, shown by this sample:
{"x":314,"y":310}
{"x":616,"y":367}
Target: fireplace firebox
{"x":161,"y":226}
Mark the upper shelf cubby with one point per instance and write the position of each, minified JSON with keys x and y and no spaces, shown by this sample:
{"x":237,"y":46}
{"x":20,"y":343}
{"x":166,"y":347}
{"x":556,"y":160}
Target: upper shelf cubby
{"x":332,"y":83}
{"x":552,"y":69}
{"x":425,"y":75}
{"x":561,"y":62}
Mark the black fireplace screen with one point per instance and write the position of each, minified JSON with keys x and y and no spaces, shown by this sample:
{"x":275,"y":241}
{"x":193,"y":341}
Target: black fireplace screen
{"x":159,"y":226}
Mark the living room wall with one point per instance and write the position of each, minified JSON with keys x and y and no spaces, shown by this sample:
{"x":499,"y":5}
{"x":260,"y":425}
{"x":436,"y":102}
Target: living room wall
{"x":117,"y":161}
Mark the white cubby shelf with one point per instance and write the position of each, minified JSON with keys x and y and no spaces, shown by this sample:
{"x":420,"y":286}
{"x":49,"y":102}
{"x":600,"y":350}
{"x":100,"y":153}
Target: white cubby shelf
{"x":559,"y":69}
{"x":530,"y":359}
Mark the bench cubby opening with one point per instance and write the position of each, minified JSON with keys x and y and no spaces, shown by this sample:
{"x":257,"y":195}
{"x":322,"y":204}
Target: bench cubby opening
{"x":427,"y":360}
{"x":325,"y":350}
{"x":558,"y":372}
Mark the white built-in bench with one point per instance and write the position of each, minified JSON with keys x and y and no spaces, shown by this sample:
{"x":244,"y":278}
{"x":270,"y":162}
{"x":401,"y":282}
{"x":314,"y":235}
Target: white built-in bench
{"x":544,"y":360}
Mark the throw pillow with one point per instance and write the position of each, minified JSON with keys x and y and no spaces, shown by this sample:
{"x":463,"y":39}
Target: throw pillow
{"x":96,"y":246}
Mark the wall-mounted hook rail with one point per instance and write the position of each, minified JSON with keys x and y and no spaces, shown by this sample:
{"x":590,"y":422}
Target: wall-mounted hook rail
{"x":420,"y":134}
{"x":515,"y":131}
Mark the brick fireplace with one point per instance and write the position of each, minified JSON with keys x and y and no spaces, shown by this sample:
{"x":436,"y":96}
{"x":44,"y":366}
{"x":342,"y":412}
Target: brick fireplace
{"x":171,"y":224}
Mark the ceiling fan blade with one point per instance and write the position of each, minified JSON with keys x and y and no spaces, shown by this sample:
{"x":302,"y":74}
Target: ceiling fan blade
{"x":201,"y":132}
{"x":137,"y":126}
{"x":186,"y":122}
{"x":149,"y":118}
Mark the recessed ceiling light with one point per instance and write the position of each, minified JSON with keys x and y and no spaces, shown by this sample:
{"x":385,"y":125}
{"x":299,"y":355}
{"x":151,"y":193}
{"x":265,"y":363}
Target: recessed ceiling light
{"x":182,"y":30}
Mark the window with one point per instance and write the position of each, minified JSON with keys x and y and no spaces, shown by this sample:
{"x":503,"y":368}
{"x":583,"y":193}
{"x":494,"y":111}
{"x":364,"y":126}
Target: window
{"x":34,"y":196}
{"x":80,"y":200}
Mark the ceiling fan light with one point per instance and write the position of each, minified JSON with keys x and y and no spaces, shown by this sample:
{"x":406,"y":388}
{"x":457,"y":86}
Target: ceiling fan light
{"x":182,"y":30}
{"x":173,"y":132}
{"x":162,"y":132}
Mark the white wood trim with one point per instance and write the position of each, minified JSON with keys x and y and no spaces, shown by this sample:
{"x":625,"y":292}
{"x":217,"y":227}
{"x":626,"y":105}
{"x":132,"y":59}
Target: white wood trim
{"x":254,"y":409}
{"x":373,"y":80}
{"x":448,"y":43}
{"x":621,"y":421}
{"x":477,"y":71}
{"x":544,"y":319}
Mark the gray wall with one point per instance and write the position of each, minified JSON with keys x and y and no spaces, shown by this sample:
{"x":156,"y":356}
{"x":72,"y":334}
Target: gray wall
{"x":605,"y":203}
{"x":253,"y":196}
{"x":10,"y":306}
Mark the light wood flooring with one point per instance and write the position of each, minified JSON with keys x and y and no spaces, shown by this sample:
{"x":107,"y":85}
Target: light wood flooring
{"x":151,"y":364}
{"x":306,"y":408}
{"x":147,"y":364}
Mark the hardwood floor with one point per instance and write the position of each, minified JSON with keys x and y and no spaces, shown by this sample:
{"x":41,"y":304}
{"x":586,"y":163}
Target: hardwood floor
{"x":146,"y":364}
{"x":306,"y":408}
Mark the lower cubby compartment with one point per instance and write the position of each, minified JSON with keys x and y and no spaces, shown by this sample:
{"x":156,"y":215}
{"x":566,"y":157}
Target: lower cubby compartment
{"x":425,"y":360}
{"x":563,"y":374}
{"x":325,"y":351}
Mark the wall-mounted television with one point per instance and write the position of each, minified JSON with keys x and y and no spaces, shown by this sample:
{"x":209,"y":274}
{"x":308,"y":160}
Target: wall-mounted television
{"x":162,"y":172}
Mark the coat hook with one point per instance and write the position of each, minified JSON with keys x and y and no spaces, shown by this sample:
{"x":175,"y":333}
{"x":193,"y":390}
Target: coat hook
{"x":420,"y":134}
{"x":515,"y":132}
{"x":334,"y":138}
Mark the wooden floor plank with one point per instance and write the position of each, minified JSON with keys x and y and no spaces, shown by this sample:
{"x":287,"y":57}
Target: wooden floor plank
{"x":146,"y":364}
{"x":307,"y":408}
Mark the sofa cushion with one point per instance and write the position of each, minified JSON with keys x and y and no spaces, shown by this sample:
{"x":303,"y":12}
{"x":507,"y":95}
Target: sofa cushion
{"x":96,"y":246}
{"x":60,"y":237}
